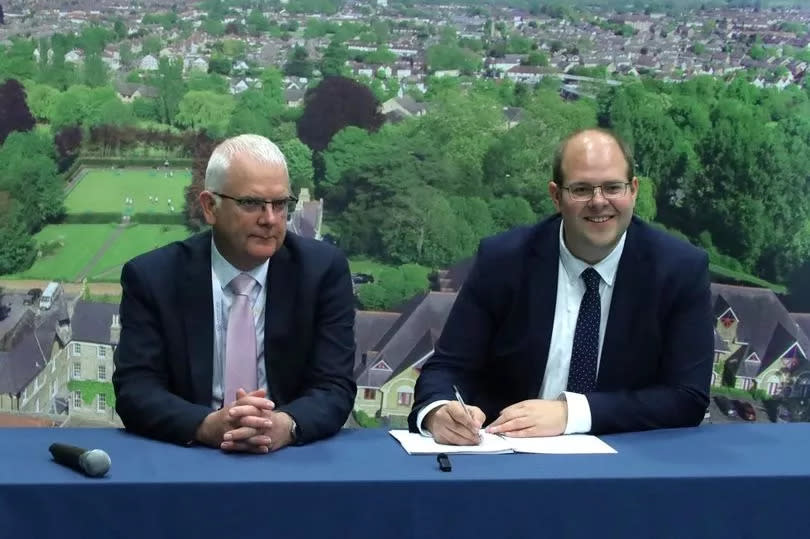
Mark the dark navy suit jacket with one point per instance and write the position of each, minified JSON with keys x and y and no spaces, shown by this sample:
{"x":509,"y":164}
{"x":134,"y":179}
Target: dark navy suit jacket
{"x":164,"y":361}
{"x":657,"y":353}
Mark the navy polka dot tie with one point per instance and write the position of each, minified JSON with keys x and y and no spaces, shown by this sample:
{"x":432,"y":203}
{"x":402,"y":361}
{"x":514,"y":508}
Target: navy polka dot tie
{"x":582,"y":372}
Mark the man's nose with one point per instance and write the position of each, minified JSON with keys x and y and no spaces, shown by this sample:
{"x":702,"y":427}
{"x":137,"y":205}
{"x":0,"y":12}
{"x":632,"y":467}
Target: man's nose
{"x":268,"y":215}
{"x":597,"y":191}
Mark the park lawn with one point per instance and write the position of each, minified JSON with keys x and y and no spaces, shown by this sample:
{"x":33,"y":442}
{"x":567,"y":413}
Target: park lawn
{"x":135,"y":240}
{"x":367,"y":265}
{"x":104,"y":190}
{"x":81,"y":242}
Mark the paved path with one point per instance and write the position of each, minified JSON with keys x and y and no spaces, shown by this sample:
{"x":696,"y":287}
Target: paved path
{"x":112,"y":238}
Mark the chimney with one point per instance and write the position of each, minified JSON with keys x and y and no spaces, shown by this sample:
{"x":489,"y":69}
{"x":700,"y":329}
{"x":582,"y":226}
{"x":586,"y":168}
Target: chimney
{"x":115,"y":330}
{"x":64,"y":331}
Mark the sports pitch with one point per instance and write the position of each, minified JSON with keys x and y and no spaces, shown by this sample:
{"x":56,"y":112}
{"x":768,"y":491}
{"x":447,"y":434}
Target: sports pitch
{"x":106,"y":190}
{"x":97,"y":251}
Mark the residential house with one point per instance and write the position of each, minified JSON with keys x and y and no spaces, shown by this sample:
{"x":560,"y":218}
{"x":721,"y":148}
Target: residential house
{"x":294,"y":95}
{"x":766,"y":348}
{"x":29,"y":349}
{"x":307,"y":218}
{"x":199,"y":64}
{"x":148,"y":63}
{"x":512,"y":116}
{"x":95,"y":328}
{"x":526,"y":74}
{"x":406,"y":106}
{"x":74,"y":57}
{"x":129,"y":91}
{"x":387,"y":371}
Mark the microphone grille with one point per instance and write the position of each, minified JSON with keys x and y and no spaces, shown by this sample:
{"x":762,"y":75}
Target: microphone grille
{"x":95,"y":462}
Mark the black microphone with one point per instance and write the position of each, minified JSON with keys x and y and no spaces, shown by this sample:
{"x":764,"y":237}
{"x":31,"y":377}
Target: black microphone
{"x":93,"y":463}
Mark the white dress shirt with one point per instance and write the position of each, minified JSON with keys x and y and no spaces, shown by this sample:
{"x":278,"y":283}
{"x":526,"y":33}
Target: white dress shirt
{"x":222,"y":273}
{"x":570,"y":291}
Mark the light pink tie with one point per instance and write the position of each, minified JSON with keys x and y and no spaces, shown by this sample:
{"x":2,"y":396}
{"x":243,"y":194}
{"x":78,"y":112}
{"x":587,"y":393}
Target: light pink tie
{"x":240,"y":342}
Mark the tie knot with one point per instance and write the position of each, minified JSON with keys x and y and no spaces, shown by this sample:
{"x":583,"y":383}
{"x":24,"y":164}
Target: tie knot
{"x":242,"y":284}
{"x":591,"y":278}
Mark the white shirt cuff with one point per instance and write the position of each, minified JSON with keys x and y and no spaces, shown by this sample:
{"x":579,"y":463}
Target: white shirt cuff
{"x":579,"y":413}
{"x":420,"y":417}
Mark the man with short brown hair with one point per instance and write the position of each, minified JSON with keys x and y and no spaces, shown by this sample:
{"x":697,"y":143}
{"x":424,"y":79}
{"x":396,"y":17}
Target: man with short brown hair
{"x":590,"y":321}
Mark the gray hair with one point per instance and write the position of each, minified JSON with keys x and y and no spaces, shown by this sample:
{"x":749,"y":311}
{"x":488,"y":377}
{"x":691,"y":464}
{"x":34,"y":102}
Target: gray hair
{"x":256,"y":146}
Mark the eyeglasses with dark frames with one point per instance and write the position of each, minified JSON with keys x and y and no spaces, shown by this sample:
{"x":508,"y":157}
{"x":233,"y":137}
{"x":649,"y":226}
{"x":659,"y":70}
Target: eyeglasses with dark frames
{"x":255,"y":204}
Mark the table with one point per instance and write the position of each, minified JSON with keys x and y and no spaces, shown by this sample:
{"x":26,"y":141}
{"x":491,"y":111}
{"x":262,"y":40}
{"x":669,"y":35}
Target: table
{"x":742,"y":480}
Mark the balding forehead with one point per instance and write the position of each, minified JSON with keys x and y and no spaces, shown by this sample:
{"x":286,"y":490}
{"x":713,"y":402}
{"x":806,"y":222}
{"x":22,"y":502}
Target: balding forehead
{"x":592,"y":148}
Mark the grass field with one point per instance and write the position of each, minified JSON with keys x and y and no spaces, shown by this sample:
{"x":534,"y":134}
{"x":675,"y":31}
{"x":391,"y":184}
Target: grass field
{"x":135,"y":240}
{"x":81,"y":242}
{"x":104,"y":190}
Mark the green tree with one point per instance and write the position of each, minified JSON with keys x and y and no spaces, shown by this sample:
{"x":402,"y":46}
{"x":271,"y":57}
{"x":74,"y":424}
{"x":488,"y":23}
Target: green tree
{"x":333,"y":62}
{"x":151,"y":45}
{"x":213,"y":27}
{"x":169,"y":82}
{"x":537,"y":59}
{"x":208,"y":82}
{"x":17,"y":61}
{"x":120,"y":29}
{"x":443,"y":57}
{"x":463,"y":128}
{"x":298,"y":64}
{"x":41,"y":98}
{"x":26,"y":161}
{"x":257,"y":23}
{"x":299,"y":164}
{"x":509,"y":212}
{"x":95,"y":72}
{"x":126,"y":55}
{"x":205,"y":110}
{"x":645,"y":201}
{"x":71,"y":107}
{"x":18,"y":249}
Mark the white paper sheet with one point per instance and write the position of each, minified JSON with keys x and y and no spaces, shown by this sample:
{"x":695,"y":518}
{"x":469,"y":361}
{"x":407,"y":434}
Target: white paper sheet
{"x":493,"y":444}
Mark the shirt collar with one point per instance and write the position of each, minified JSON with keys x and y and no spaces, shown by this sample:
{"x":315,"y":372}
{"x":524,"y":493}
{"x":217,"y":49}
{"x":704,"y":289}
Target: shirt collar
{"x":606,"y":268}
{"x":225,"y":271}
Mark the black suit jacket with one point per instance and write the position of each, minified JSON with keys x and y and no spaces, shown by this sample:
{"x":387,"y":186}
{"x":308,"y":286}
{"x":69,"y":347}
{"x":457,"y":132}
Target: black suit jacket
{"x":164,"y":360}
{"x":657,"y":352}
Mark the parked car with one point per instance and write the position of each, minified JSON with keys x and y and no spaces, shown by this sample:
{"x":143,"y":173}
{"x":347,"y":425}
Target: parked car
{"x":725,"y":406}
{"x":32,"y":296}
{"x":362,"y":278}
{"x":745,"y":410}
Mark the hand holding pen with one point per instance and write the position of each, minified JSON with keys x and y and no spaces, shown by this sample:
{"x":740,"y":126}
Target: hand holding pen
{"x":455,"y":423}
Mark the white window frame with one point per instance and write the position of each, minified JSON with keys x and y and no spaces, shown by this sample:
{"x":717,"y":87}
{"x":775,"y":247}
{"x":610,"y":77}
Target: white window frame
{"x":77,"y":399}
{"x":77,"y":365}
{"x":101,"y":402}
{"x":76,"y":349}
{"x":101,"y":351}
{"x":101,"y":373}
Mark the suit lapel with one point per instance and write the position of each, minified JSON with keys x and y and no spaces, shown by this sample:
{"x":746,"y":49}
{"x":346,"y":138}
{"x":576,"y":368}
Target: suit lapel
{"x":198,"y":315}
{"x":543,"y":267}
{"x":278,"y":315}
{"x":633,"y":280}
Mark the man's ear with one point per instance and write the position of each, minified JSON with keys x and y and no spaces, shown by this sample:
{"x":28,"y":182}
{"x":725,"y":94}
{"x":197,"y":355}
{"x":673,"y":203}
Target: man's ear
{"x":554,"y":192}
{"x":208,"y":203}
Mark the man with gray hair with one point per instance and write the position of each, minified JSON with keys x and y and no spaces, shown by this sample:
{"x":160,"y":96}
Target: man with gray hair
{"x":240,"y":337}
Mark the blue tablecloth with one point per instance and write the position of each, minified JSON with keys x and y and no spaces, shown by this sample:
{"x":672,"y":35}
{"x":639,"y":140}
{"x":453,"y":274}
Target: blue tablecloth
{"x":716,"y":481}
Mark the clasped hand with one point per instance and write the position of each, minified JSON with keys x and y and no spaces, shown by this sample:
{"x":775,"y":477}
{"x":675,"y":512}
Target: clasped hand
{"x":249,"y":424}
